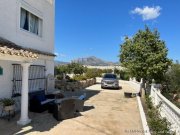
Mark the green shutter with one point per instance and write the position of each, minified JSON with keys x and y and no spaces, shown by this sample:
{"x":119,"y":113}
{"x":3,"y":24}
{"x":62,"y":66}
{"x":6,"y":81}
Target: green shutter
{"x":1,"y":71}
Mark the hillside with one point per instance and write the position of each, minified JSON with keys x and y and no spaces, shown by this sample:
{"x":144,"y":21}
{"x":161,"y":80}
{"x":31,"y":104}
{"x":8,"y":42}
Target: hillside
{"x":93,"y":61}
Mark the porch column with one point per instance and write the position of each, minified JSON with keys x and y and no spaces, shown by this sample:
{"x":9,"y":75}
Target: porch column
{"x":24,"y":119}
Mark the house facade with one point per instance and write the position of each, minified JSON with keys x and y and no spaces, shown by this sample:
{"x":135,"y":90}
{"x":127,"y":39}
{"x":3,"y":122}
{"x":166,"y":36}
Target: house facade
{"x":26,"y":48}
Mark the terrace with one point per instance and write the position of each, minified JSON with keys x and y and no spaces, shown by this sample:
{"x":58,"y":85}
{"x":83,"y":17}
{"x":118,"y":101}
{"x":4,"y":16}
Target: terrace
{"x":106,"y":112}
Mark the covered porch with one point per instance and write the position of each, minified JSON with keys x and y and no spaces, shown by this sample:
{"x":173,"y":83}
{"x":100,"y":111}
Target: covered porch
{"x":11,"y":55}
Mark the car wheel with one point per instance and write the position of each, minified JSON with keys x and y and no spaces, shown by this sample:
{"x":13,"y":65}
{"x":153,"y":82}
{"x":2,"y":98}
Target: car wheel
{"x":102,"y":87}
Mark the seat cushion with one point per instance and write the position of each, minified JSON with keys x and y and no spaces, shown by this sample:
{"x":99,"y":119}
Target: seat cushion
{"x":47,"y":101}
{"x":40,"y":97}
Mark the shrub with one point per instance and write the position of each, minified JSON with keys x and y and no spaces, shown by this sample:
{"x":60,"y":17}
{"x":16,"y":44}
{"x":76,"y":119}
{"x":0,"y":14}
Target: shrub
{"x":107,"y":71}
{"x":7,"y":101}
{"x":157,"y":124}
{"x":92,"y":73}
{"x":124,"y":75}
{"x":63,"y":69}
{"x":76,"y":68}
{"x":171,"y":85}
{"x":59,"y":77}
{"x":79,"y":77}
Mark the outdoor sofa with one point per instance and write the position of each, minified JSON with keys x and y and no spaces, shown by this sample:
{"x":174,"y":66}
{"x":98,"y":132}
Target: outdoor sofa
{"x":38,"y":101}
{"x":67,"y":107}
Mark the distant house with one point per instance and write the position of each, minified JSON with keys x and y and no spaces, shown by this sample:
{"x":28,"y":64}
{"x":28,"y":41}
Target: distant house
{"x":26,"y":48}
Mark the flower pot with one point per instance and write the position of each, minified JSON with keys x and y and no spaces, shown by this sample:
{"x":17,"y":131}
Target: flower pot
{"x":9,"y":108}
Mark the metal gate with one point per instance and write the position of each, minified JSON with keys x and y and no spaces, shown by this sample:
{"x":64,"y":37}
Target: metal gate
{"x":37,"y":79}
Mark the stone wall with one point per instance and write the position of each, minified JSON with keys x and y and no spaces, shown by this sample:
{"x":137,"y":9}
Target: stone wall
{"x":74,"y":86}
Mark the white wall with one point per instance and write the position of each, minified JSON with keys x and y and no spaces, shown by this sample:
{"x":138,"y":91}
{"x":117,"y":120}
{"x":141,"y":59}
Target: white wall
{"x":10,"y":23}
{"x":6,"y":78}
{"x":46,"y":61}
{"x":105,"y":67}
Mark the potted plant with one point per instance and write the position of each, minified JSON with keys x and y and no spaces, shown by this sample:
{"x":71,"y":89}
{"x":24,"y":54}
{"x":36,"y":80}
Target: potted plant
{"x":8,"y":104}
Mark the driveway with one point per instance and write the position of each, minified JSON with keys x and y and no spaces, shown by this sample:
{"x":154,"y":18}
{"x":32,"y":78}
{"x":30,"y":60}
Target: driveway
{"x":106,"y":112}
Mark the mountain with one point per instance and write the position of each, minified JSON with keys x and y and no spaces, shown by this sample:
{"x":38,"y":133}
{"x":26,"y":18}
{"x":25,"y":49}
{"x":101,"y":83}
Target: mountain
{"x":94,"y":61}
{"x":58,"y":63}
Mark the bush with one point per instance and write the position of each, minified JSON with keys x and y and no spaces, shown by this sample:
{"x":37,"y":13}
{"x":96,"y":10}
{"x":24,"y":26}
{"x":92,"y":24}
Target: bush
{"x":124,"y":75}
{"x":63,"y":69}
{"x":76,"y":68}
{"x":93,"y":73}
{"x":172,"y":77}
{"x":59,"y":77}
{"x":7,"y":101}
{"x":107,"y":71}
{"x":79,"y":77}
{"x":171,"y":85}
{"x":157,"y":124}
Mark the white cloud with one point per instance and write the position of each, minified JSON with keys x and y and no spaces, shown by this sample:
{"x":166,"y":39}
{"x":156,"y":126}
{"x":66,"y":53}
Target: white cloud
{"x":147,"y":13}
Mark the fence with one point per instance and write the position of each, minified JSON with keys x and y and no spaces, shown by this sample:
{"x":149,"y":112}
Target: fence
{"x":167,"y":109}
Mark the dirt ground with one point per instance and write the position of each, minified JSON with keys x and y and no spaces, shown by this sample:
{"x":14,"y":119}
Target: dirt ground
{"x":106,"y":112}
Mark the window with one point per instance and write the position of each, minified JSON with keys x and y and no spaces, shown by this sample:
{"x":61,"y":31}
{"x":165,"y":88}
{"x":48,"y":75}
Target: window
{"x":30,"y":22}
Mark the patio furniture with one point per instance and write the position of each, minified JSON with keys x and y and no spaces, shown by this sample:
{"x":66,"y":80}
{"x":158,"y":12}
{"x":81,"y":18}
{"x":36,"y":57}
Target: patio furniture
{"x":38,"y":101}
{"x":64,"y":109}
{"x":79,"y":103}
{"x":55,"y":96}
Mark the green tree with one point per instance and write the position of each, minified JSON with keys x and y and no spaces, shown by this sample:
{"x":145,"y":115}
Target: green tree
{"x":145,"y":55}
{"x":61,"y":69}
{"x":171,"y":86}
{"x":173,"y":78}
{"x":76,"y":68}
{"x":124,"y":75}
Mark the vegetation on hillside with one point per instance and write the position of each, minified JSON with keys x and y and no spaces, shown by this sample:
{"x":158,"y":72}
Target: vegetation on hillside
{"x":79,"y":71}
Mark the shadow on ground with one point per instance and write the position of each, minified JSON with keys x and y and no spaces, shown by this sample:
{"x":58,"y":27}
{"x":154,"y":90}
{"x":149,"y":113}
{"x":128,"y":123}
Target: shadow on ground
{"x":41,"y":122}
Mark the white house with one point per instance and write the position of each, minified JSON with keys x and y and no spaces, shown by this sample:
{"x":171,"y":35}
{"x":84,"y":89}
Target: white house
{"x":26,"y":48}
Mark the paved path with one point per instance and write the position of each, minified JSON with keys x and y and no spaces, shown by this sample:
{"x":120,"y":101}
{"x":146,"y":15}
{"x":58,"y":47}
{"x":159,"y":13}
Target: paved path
{"x":107,"y":112}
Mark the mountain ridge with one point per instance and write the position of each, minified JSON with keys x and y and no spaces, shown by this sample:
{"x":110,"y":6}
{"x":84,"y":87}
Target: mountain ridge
{"x":94,"y":61}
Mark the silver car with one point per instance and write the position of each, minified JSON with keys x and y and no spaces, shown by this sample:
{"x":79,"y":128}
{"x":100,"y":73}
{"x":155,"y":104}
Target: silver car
{"x":110,"y":81}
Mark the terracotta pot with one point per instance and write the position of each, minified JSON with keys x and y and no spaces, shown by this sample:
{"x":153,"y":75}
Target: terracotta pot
{"x":9,"y":108}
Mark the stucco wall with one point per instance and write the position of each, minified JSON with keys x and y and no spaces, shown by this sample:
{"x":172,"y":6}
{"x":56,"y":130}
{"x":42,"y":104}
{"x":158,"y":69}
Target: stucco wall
{"x":6,"y":78}
{"x":10,"y":23}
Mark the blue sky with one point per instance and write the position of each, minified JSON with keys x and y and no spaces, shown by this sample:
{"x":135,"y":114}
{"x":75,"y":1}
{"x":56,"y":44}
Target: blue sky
{"x":97,"y":27}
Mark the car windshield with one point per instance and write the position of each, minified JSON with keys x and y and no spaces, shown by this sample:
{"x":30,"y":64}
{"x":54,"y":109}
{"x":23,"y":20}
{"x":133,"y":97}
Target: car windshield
{"x":110,"y":76}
